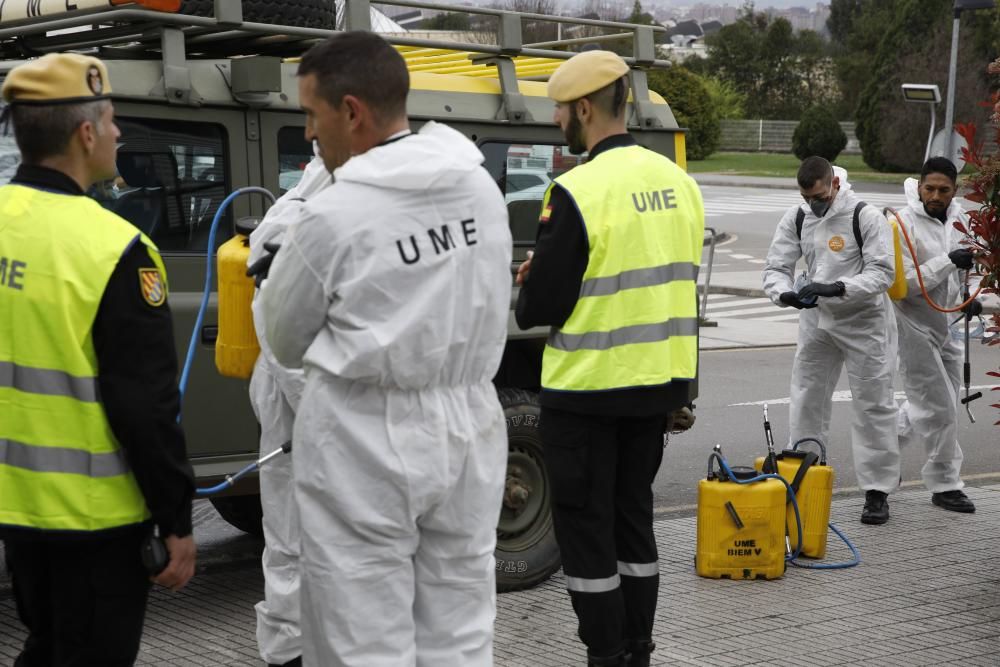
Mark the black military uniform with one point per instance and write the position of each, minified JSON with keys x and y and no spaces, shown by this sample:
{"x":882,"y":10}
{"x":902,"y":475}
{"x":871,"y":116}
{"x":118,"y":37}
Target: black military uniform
{"x":82,"y":593}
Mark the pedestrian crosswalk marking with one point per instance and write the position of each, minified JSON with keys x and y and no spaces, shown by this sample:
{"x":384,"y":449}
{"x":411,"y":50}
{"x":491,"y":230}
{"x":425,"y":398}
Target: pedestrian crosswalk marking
{"x":731,"y":306}
{"x":769,"y":308}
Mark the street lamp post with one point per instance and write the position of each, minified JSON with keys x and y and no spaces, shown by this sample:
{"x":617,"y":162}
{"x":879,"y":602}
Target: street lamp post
{"x":924,"y":93}
{"x":949,"y":112}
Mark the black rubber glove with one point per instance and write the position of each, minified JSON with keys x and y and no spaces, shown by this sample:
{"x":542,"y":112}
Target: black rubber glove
{"x":974,"y":309}
{"x":792,"y":299}
{"x":962,"y":258}
{"x":821,"y":289}
{"x":259,"y":269}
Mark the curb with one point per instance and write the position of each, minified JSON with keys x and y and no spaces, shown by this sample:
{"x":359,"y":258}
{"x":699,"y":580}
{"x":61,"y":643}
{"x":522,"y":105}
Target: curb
{"x":720,"y":238}
{"x":750,"y":184}
{"x":778,"y":182}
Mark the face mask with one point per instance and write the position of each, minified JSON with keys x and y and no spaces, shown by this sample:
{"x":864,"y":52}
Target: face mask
{"x":819,"y":207}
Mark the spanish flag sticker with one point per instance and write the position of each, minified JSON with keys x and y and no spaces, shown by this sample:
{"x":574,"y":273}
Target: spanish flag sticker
{"x":546,"y":214}
{"x":151,"y":286}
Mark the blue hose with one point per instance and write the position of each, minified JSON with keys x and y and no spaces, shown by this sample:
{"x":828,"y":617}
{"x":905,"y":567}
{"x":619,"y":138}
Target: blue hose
{"x":833,"y":566}
{"x":193,"y":342}
{"x":791,"y":558}
{"x":230,"y":481}
{"x":207,"y":291}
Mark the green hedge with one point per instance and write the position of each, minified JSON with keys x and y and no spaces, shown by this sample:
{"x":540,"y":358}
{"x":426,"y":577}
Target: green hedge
{"x":692,"y":107}
{"x":818,"y":133}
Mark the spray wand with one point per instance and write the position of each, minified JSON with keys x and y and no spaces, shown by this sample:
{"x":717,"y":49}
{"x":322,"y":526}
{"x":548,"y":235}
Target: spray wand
{"x":771,"y":464}
{"x":966,"y":367}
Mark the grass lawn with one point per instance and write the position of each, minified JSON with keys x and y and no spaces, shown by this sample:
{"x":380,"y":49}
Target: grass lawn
{"x":786,"y":165}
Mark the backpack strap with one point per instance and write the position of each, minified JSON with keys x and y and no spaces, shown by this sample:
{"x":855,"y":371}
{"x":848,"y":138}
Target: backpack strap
{"x":857,"y":224}
{"x":808,"y":461}
{"x":800,"y":217}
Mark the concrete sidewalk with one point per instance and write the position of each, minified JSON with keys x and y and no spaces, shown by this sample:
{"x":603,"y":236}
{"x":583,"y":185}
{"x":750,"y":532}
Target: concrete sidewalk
{"x":927,"y":592}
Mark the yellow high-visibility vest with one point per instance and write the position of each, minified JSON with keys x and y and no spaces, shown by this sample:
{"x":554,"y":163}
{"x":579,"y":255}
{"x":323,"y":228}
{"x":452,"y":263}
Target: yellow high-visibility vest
{"x":60,"y":465}
{"x":635,"y":323}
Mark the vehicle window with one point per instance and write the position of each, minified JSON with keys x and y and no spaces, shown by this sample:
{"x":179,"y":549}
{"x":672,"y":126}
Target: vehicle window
{"x":172,"y":177}
{"x":9,"y":158}
{"x":516,"y":181}
{"x":294,"y":153}
{"x":523,"y":172}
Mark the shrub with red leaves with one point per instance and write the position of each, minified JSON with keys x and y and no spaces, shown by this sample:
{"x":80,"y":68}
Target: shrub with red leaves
{"x":984,"y":189}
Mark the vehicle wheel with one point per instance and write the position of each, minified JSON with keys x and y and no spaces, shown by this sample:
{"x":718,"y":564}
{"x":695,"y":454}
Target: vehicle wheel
{"x":243,"y":512}
{"x":301,"y":13}
{"x":526,"y":552}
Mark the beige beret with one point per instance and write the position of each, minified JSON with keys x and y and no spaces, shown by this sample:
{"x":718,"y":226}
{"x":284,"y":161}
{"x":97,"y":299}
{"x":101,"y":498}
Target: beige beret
{"x":57,"y":78}
{"x":585,"y":73}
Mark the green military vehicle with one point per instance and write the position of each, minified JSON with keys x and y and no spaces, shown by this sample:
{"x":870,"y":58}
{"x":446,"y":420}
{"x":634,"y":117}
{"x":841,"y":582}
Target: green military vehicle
{"x":207,"y":101}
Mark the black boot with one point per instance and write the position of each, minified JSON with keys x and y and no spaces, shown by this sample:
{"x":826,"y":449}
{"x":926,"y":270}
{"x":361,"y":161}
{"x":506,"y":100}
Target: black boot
{"x":954,"y":501}
{"x":639,"y":652}
{"x":616,"y":660}
{"x":876,"y":509}
{"x":294,"y":662}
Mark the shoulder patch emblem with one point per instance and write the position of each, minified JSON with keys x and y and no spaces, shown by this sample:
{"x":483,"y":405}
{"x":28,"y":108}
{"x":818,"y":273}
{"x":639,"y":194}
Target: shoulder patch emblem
{"x":151,"y":286}
{"x":836,"y":243}
{"x":546,"y":214}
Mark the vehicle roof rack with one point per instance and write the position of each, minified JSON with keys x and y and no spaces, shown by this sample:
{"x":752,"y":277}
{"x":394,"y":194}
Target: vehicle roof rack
{"x":113,"y":30}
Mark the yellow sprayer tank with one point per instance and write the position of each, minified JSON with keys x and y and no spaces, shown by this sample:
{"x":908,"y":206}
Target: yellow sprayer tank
{"x":814,"y":496}
{"x":741,"y":528}
{"x":236,"y":348}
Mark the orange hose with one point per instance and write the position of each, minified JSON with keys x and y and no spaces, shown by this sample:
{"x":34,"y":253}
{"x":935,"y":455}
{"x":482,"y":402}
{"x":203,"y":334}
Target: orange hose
{"x":920,"y":277}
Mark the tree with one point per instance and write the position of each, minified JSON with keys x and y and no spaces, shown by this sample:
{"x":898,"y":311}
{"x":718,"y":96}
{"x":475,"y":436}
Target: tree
{"x":856,"y":30}
{"x":915,"y":49}
{"x":984,"y":222}
{"x":533,"y":31}
{"x":639,"y":16}
{"x":780,"y":73}
{"x":448,"y":21}
{"x":692,"y":106}
{"x":818,"y":133}
{"x":727,"y":102}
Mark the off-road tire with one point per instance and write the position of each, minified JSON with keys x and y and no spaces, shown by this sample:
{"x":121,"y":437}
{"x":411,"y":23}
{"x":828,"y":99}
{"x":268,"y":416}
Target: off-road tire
{"x":243,"y":512}
{"x":301,"y":13}
{"x":526,"y":553}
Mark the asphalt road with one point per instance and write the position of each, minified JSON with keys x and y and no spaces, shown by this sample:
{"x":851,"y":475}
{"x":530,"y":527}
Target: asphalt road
{"x":731,"y":378}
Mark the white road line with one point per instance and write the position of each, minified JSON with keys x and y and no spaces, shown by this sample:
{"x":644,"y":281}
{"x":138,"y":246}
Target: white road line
{"x":743,"y":311}
{"x":739,"y":256}
{"x":757,"y":261}
{"x":733,"y":301}
{"x":841,"y":396}
{"x":788,"y":317}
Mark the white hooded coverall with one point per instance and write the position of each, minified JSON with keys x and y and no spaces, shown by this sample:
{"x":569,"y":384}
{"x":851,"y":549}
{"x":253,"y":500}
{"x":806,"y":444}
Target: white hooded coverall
{"x":857,"y":330}
{"x":930,"y":360}
{"x":274,"y":394}
{"x":393,"y":293}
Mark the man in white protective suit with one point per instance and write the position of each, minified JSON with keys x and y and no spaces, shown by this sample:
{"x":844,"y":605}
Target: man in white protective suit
{"x":393,"y":293}
{"x":846,"y":320}
{"x":275,"y":392}
{"x":930,"y":360}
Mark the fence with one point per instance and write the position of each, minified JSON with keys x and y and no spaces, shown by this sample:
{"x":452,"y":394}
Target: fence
{"x":772,"y":136}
